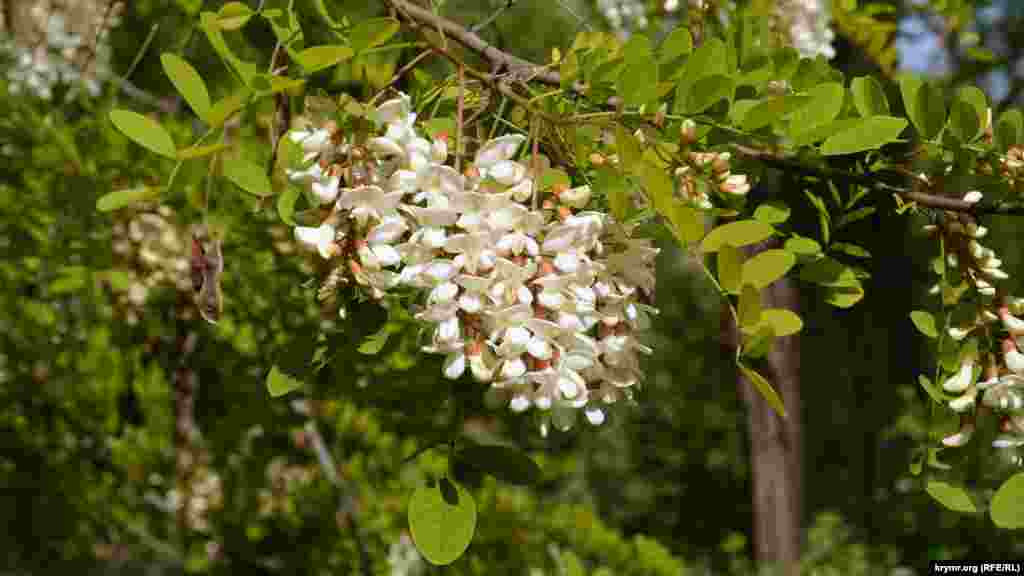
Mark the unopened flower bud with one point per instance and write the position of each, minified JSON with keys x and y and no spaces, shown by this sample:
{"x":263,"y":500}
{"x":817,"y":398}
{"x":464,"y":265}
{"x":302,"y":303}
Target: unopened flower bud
{"x":687,"y":133}
{"x":973,"y":197}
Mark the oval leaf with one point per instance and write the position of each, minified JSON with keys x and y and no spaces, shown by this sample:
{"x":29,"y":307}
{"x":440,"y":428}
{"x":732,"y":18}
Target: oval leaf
{"x":925,"y":323}
{"x":441,"y":527}
{"x":144,"y":131}
{"x":801,"y":246}
{"x":953,"y":497}
{"x":121,"y":198}
{"x":765,"y":388}
{"x":826,"y":101}
{"x":869,"y":97}
{"x":373,"y":32}
{"x":783,"y":322}
{"x":279,"y":383}
{"x":505,"y":463}
{"x":742,"y":233}
{"x":188,"y":82}
{"x":925,"y":106}
{"x":678,"y":43}
{"x":320,"y":57}
{"x":968,"y":113}
{"x":767,"y":267}
{"x":868,"y":134}
{"x":708,"y":91}
{"x":772,"y":213}
{"x":750,"y":306}
{"x":1009,"y":130}
{"x":730,"y":272}
{"x":247,"y":176}
{"x":1008,"y":503}
{"x":233,"y":15}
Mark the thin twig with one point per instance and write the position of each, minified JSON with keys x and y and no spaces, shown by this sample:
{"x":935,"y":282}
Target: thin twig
{"x":873,"y":181}
{"x":458,"y":119}
{"x":487,"y":21}
{"x":498,"y":58}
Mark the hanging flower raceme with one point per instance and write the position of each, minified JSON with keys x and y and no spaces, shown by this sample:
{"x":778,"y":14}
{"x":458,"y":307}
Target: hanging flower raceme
{"x":546,"y":304}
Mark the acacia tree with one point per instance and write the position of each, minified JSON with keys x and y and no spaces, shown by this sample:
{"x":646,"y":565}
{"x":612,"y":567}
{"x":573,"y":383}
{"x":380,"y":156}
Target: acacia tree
{"x":534,"y":277}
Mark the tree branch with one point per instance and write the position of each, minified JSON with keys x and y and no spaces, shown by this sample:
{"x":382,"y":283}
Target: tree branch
{"x":524,"y":69}
{"x":875,"y":182}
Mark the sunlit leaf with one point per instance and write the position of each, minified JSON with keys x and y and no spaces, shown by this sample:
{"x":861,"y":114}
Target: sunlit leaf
{"x":925,"y":106}
{"x":442,"y":519}
{"x":925,"y":323}
{"x":320,"y":57}
{"x":193,"y":152}
{"x":741,"y":233}
{"x":765,"y":388}
{"x":767,"y":267}
{"x":678,"y":43}
{"x":869,"y":97}
{"x":953,"y":497}
{"x":279,"y":383}
{"x":144,"y":131}
{"x":749,"y":306}
{"x":707,"y":91}
{"x":121,"y":198}
{"x":372,"y":32}
{"x":866,"y":134}
{"x":247,"y":176}
{"x":233,"y":15}
{"x":188,"y":82}
{"x":783,"y":322}
{"x":1007,"y":509}
{"x":772,"y":213}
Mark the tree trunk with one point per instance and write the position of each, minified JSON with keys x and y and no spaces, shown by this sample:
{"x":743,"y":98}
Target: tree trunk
{"x":775,"y":443}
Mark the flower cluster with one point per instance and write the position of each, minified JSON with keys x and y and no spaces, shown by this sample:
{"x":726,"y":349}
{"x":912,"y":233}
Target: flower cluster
{"x":1001,"y":387}
{"x":1012,"y":168}
{"x":542,"y":299}
{"x":706,"y":172}
{"x":624,"y":16}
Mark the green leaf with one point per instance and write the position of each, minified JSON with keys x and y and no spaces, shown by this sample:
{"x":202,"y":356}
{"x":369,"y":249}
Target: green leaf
{"x":708,"y":91}
{"x":1007,"y":508}
{"x":801,"y":246}
{"x":765,"y":388}
{"x":710,"y":58}
{"x":858,"y":214}
{"x":829,"y":272}
{"x":225,"y":107}
{"x":869,"y":97}
{"x":867,"y":134}
{"x":372,"y":32}
{"x":850,"y":249}
{"x":505,"y":463}
{"x":144,"y":131}
{"x":968,"y":114}
{"x":279,"y":383}
{"x":953,"y":497}
{"x":741,"y":233}
{"x":233,"y":15}
{"x":320,"y":57}
{"x":772,"y":110}
{"x":826,"y":101}
{"x":772,"y":213}
{"x":750,"y":306}
{"x":286,"y":204}
{"x":843,"y":297}
{"x":925,"y":323}
{"x":193,"y":152}
{"x":628,"y":148}
{"x":247,"y":176}
{"x":188,"y":82}
{"x":783,"y":322}
{"x":442,"y":519}
{"x":121,"y":198}
{"x":615,"y":188}
{"x":925,"y":106}
{"x":823,"y":131}
{"x":638,"y":82}
{"x":767,"y":267}
{"x":1009,"y":130}
{"x":210,"y":24}
{"x":757,"y":340}
{"x":730,"y":271}
{"x":686,"y":222}
{"x":374,"y":343}
{"x":932,"y":391}
{"x":678,"y":43}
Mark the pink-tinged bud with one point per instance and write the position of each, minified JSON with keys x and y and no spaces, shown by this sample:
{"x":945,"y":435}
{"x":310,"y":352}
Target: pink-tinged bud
{"x":687,"y":133}
{"x":1005,"y":425}
{"x":963,"y":436}
{"x":720,"y":164}
{"x":354,"y":267}
{"x":1013,"y":358}
{"x":564,"y":212}
{"x":1013,"y":325}
{"x":736,"y":184}
{"x":597,"y":159}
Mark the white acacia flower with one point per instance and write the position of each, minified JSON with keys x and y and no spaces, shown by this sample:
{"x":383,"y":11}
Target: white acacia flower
{"x":474,"y":252}
{"x":320,"y":239}
{"x":314,"y":142}
{"x":368,"y":202}
{"x":497,"y":150}
{"x":327,"y":192}
{"x":510,"y":280}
